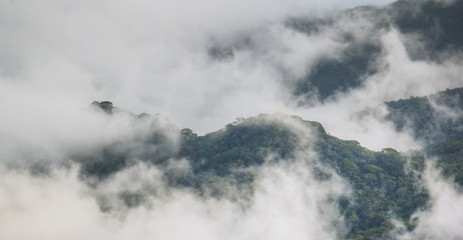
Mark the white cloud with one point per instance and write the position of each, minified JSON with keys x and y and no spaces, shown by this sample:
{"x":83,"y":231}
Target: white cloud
{"x":359,"y":113}
{"x":152,"y":57}
{"x":443,"y":217}
{"x":287,"y":202}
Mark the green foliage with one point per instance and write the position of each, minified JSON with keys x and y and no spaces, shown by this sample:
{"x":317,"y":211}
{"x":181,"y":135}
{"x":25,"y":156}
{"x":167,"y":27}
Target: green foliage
{"x":432,"y":119}
{"x":437,"y":121}
{"x":382,"y":189}
{"x":340,"y":75}
{"x":439,"y":25}
{"x":238,"y":146}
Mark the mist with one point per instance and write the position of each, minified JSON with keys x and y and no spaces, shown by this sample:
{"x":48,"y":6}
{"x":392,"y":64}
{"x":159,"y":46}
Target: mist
{"x":148,"y":58}
{"x":287,"y":201}
{"x":440,"y":219}
{"x":154,"y":58}
{"x":198,"y":65}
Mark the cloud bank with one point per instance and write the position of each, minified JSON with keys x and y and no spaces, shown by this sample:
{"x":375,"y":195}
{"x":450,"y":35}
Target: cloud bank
{"x":57,"y":57}
{"x":287,"y":201}
{"x":153,"y":57}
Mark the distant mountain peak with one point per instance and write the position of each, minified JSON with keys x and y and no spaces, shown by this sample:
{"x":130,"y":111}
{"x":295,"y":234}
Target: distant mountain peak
{"x":106,"y":106}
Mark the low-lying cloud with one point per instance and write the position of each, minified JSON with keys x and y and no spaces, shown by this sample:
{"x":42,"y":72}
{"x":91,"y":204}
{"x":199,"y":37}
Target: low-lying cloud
{"x":154,"y":57}
{"x":442,"y":217}
{"x":287,"y":202}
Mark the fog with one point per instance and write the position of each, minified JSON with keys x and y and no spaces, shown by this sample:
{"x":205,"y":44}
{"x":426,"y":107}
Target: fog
{"x":155,"y":57}
{"x":287,"y":200}
{"x":440,"y":220}
{"x":359,"y":112}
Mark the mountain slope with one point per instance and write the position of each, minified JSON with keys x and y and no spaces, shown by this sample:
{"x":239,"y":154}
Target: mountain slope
{"x":383,"y":184}
{"x":382,"y":189}
{"x":437,"y":121}
{"x":432,"y":31}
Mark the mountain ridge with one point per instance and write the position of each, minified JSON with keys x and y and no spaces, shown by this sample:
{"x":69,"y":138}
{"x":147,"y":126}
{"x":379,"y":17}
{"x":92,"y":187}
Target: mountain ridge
{"x":228,"y":156}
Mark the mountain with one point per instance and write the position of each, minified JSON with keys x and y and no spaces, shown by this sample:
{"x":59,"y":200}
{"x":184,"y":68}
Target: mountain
{"x":102,"y":172}
{"x":437,"y":122}
{"x":382,"y":187}
{"x":437,"y":24}
{"x":433,"y":30}
{"x":383,"y":183}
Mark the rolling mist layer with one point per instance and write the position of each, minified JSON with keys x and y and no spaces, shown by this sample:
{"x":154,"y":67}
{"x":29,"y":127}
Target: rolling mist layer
{"x":73,"y":171}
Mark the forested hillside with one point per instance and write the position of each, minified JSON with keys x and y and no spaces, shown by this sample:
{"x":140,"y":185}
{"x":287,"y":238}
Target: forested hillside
{"x":383,"y":183}
{"x":348,"y":120}
{"x":437,"y":121}
{"x":438,"y":27}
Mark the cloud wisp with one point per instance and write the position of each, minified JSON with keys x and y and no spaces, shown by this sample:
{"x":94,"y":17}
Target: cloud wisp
{"x":287,"y":201}
{"x":440,"y":220}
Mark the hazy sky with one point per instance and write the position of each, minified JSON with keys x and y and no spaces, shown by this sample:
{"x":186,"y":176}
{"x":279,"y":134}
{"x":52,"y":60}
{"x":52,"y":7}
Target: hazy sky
{"x":152,"y":56}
